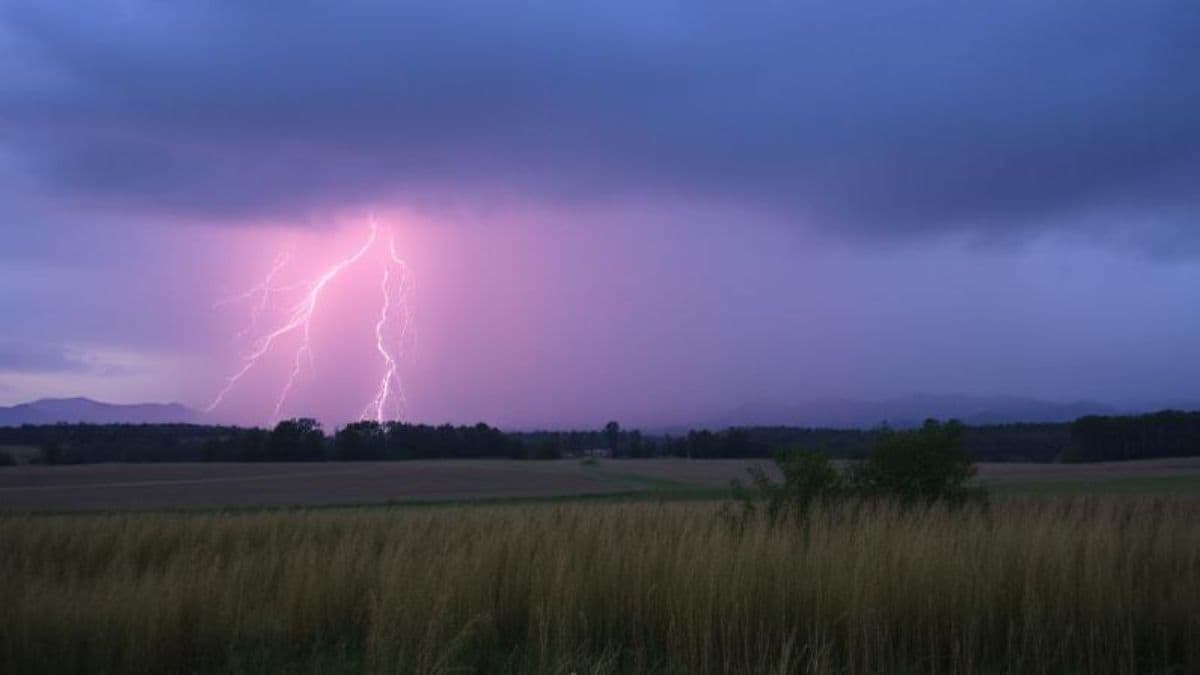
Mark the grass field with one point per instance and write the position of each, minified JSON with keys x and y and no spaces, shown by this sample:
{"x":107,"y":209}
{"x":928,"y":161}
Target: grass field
{"x":218,"y":486}
{"x":1035,"y":585}
{"x":562,"y":567}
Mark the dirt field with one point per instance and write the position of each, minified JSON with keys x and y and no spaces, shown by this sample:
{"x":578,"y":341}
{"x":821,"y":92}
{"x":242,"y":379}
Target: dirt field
{"x":171,"y":486}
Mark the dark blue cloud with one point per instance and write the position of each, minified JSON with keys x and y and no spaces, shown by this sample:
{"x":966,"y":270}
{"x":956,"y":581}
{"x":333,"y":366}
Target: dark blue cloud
{"x":882,"y":117}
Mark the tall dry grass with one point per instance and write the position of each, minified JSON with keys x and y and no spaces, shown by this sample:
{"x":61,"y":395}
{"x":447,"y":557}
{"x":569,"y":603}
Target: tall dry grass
{"x":1051,"y":586}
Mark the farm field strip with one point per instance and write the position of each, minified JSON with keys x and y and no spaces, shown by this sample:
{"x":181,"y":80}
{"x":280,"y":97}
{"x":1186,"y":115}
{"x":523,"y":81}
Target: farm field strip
{"x":218,"y":485}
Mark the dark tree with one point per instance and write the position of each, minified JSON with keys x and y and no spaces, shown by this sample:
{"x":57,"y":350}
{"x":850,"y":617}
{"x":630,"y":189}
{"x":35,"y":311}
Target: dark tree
{"x":612,"y":433}
{"x":297,"y":440}
{"x":360,"y":441}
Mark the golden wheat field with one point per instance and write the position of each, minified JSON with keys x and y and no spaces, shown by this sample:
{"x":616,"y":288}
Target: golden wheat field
{"x":1052,"y":585}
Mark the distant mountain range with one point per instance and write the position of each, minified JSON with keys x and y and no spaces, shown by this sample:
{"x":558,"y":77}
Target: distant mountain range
{"x":85,"y":410}
{"x":908,"y":411}
{"x":900,"y":412}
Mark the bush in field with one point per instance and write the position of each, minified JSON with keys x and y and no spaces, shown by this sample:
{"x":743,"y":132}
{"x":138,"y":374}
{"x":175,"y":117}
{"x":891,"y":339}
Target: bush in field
{"x":808,"y":477}
{"x":922,"y":466}
{"x":7,"y":459}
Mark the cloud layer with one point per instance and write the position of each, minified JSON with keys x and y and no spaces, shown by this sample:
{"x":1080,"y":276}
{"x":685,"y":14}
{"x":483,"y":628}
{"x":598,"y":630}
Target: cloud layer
{"x":640,"y":210}
{"x":888,"y":118}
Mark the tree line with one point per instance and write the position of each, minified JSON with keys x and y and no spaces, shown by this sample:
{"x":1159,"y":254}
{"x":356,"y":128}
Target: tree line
{"x":294,"y":440}
{"x":1168,"y":433}
{"x":1093,"y":438}
{"x":985,"y":443}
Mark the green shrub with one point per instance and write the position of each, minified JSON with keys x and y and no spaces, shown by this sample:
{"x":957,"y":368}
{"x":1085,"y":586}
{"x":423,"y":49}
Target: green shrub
{"x":920,"y":466}
{"x":808,"y":477}
{"x":924,"y":465}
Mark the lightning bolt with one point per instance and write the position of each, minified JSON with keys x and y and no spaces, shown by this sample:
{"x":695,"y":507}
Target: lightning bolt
{"x":262,"y":292}
{"x":389,"y":361}
{"x":407,"y":289}
{"x":299,"y":321}
{"x":389,"y":383}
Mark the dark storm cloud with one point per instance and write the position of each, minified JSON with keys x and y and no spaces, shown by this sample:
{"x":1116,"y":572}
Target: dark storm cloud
{"x":889,"y":117}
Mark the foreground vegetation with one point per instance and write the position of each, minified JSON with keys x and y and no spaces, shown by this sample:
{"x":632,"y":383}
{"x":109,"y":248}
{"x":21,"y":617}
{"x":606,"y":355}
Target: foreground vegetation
{"x":1036,"y":585}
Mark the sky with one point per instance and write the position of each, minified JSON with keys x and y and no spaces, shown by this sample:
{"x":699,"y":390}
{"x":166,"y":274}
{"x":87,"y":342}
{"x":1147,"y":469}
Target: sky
{"x":655,"y":212}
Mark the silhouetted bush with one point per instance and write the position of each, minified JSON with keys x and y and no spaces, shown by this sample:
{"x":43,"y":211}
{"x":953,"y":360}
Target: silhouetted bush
{"x":920,"y":466}
{"x":808,"y":477}
{"x":923,"y":465}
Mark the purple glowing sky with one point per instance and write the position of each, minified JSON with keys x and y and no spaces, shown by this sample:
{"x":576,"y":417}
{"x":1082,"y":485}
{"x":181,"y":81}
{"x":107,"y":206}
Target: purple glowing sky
{"x":654,"y":212}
